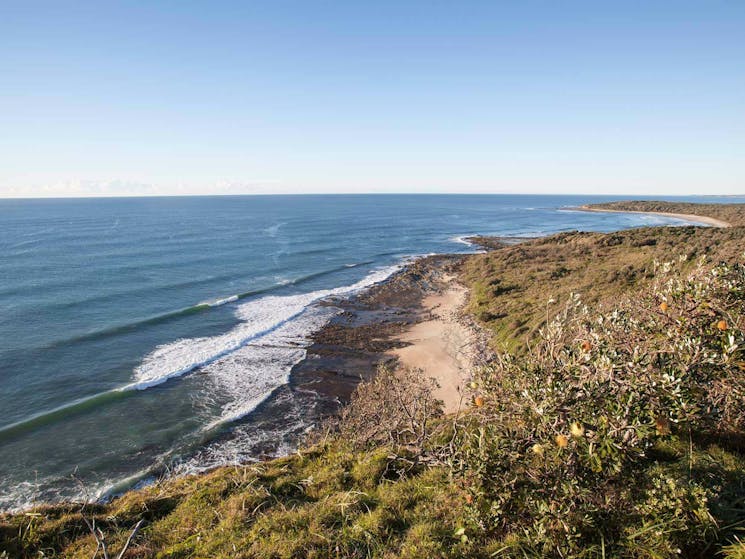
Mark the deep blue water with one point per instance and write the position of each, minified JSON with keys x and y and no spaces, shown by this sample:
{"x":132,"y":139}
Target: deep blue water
{"x":137,"y":332}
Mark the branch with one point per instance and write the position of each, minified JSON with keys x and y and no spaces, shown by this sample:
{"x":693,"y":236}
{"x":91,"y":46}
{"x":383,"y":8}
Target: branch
{"x":130,"y":538}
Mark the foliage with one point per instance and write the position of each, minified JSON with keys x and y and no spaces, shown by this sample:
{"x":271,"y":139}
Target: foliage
{"x":510,"y":286}
{"x":560,"y":459}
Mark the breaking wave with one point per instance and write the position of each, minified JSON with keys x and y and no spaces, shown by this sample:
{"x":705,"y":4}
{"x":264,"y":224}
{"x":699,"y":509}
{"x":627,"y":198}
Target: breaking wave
{"x":268,"y":323}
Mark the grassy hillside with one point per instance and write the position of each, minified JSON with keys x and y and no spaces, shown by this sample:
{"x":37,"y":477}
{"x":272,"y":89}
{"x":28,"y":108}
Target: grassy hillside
{"x":613,"y":427}
{"x":511,"y":287}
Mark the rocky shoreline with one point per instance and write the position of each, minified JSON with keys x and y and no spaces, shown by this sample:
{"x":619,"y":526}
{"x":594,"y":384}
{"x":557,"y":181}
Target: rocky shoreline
{"x":350,"y":348}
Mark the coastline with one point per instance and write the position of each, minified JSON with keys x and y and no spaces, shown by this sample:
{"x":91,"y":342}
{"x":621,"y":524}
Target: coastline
{"x":713,"y":222}
{"x":338,"y":484}
{"x":412,"y":311}
{"x":413,"y":319}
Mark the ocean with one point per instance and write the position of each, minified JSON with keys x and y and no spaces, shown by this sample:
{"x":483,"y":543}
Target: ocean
{"x":148,"y":335}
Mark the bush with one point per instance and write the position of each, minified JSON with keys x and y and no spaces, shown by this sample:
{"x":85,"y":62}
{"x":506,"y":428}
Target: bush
{"x":557,"y":458}
{"x":396,"y":409}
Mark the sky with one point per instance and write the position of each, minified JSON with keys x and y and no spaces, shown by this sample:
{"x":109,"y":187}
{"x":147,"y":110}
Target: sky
{"x":177,"y":97}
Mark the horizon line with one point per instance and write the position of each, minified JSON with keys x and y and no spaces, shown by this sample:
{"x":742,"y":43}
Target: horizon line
{"x":403,"y":193}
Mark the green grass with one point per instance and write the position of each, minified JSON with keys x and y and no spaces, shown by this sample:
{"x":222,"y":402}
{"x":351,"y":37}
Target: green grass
{"x":328,"y":501}
{"x":511,"y":286}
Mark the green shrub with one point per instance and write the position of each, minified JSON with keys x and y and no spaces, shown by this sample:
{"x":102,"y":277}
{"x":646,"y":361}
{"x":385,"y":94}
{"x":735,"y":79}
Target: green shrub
{"x":557,"y":458}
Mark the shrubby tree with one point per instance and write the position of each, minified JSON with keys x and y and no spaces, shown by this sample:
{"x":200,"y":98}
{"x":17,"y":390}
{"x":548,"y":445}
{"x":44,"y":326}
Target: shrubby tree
{"x":561,"y":456}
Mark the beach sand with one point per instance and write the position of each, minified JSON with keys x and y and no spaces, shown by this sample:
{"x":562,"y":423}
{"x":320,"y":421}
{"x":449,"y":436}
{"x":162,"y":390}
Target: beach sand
{"x":413,"y":320}
{"x":688,"y":217}
{"x":441,"y":344}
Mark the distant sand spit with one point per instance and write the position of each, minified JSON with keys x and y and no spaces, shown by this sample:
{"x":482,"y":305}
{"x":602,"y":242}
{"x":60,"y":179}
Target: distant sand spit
{"x":688,"y":217}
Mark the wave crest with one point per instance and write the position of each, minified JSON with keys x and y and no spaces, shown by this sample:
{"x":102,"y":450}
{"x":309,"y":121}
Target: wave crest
{"x":258,"y":317}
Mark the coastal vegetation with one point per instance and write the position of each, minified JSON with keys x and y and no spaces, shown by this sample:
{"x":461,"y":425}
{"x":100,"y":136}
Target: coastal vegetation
{"x":609,"y":423}
{"x":732,"y":214}
{"x":511,"y":286}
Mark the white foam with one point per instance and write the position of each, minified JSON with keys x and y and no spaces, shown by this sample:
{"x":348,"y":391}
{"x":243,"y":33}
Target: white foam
{"x":246,"y":377}
{"x":273,"y":230}
{"x":274,"y":440}
{"x":219,"y":302}
{"x":462,"y":239}
{"x":258,"y":318}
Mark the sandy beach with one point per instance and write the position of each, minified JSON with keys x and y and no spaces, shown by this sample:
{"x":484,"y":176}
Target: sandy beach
{"x":441,"y":345}
{"x":688,"y":217}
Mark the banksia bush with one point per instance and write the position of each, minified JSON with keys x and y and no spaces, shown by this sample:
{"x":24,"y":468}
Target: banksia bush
{"x":559,"y":459}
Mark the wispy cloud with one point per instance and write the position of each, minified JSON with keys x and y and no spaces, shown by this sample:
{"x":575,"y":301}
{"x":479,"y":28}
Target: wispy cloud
{"x":119,"y":187}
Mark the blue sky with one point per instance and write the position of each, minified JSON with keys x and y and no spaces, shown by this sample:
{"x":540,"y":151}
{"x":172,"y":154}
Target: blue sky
{"x":118,"y":98}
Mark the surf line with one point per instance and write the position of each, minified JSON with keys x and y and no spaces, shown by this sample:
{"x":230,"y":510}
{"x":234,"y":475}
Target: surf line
{"x":89,"y":402}
{"x":197,"y":308}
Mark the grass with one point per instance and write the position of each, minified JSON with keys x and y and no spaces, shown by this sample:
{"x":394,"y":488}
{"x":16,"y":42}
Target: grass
{"x":647,"y":467}
{"x":511,"y":286}
{"x":328,"y":501}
